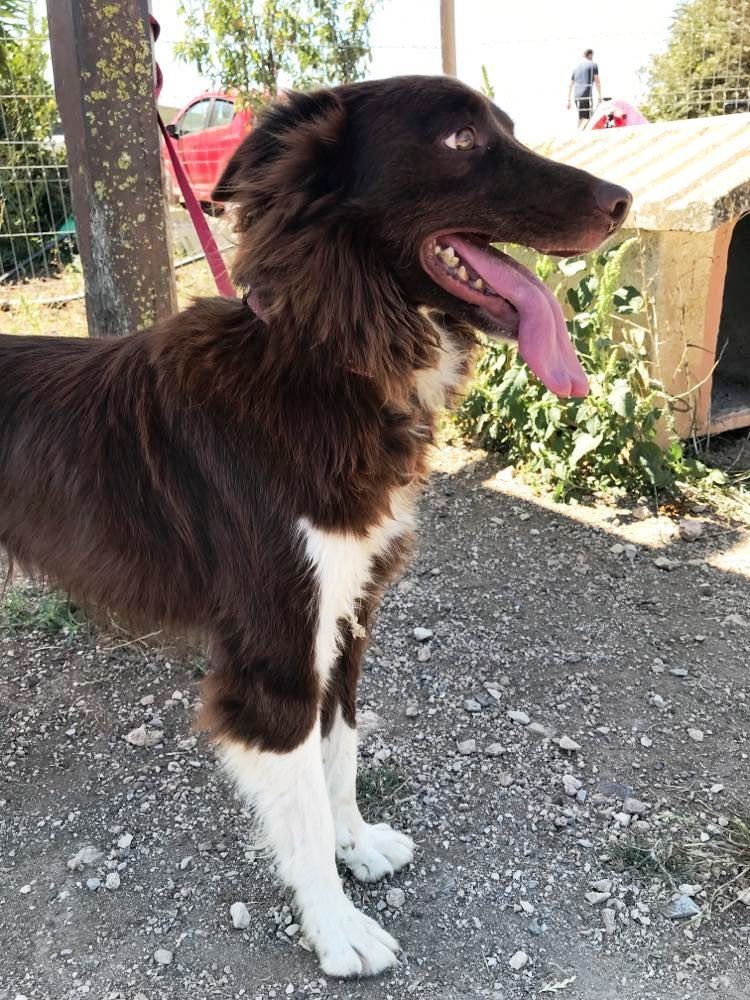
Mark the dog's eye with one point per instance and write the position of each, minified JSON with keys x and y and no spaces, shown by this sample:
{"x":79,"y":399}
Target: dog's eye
{"x":464,"y":139}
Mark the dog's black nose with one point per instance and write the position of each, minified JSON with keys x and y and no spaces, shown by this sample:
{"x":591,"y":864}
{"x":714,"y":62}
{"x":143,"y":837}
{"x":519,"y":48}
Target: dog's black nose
{"x":613,"y":200}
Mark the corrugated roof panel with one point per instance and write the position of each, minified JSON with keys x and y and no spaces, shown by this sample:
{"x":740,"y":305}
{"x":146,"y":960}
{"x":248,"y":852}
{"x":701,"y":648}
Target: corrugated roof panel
{"x":688,"y":175}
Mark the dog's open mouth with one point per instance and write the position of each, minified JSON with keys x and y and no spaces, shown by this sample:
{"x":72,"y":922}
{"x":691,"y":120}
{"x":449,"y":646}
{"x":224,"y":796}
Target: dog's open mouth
{"x":513,"y":300}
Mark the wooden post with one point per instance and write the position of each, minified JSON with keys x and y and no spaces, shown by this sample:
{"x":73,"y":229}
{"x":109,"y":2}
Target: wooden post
{"x":103,"y":65}
{"x":448,"y":36}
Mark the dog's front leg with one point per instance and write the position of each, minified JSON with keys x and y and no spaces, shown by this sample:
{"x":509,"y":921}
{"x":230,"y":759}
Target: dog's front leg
{"x":288,"y":790}
{"x":370,"y":851}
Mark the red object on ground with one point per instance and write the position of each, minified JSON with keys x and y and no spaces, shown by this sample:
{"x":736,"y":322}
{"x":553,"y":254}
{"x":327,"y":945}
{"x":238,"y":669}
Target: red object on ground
{"x":205,"y":134}
{"x":616,"y":114}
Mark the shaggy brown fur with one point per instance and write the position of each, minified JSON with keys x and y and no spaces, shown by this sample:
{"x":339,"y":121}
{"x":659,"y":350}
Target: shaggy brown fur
{"x":161,"y":474}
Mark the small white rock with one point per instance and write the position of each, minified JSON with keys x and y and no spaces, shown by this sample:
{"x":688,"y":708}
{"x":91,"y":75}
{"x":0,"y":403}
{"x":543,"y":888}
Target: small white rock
{"x":395,"y":898}
{"x":635,"y":807}
{"x":162,"y":956}
{"x":571,"y":785}
{"x":566,"y":743}
{"x":595,"y":898}
{"x":695,"y":734}
{"x":422,"y":634}
{"x":86,"y":856}
{"x":143,"y":737}
{"x":125,"y":841}
{"x":690,"y":531}
{"x":520,"y":717}
{"x":519,"y":961}
{"x":112,"y":881}
{"x":466,"y":747}
{"x":240,"y":916}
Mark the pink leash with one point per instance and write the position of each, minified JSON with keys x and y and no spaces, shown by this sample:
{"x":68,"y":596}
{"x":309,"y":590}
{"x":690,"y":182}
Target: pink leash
{"x":206,"y":237}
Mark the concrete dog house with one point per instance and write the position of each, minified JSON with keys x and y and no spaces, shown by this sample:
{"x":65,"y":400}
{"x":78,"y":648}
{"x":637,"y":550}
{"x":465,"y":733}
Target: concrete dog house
{"x":691,"y":203}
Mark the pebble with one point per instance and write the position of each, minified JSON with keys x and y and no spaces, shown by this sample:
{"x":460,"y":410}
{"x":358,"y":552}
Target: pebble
{"x":682,"y":908}
{"x":609,"y":920}
{"x":412,"y":711}
{"x":520,"y":717}
{"x":395,"y":898}
{"x":695,"y":734}
{"x":466,"y":747}
{"x":162,"y":956}
{"x":566,"y":743}
{"x":472,"y":705}
{"x":142,"y":737}
{"x":635,"y":807}
{"x":602,"y":885}
{"x":666,"y":564}
{"x":546,"y":732}
{"x":595,"y":898}
{"x":495,"y":750}
{"x":423,"y":634}
{"x":640,"y":513}
{"x":86,"y":856}
{"x":92,"y":884}
{"x":292,"y":930}
{"x":735,"y":620}
{"x":424,"y":653}
{"x":678,"y":672}
{"x":519,"y":961}
{"x":690,"y":890}
{"x":571,"y":785}
{"x":112,"y":881}
{"x":147,"y":699}
{"x":505,"y":780}
{"x":690,"y":531}
{"x":125,"y":841}
{"x":240,"y":916}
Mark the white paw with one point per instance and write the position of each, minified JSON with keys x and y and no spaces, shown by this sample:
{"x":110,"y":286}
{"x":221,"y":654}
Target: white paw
{"x":348,"y":943}
{"x":377,"y":851}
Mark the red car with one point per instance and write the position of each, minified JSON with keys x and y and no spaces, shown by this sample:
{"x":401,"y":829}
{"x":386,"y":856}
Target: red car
{"x":206,"y":132}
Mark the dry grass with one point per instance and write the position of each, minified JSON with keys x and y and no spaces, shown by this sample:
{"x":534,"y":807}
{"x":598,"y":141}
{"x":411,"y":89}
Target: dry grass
{"x":24,"y":308}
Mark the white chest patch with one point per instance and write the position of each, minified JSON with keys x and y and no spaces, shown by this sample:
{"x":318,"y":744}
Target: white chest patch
{"x":434,"y":385}
{"x":343,"y":568}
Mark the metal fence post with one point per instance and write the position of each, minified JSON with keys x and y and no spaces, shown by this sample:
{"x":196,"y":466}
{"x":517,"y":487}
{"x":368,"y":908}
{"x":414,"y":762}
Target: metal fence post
{"x":103,"y":66}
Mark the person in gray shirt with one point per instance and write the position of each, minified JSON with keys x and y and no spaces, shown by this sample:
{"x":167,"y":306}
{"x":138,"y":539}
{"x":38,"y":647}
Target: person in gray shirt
{"x":582,"y":82}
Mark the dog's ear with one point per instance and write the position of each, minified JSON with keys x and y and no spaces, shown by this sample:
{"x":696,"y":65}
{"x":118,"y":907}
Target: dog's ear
{"x":292,"y":149}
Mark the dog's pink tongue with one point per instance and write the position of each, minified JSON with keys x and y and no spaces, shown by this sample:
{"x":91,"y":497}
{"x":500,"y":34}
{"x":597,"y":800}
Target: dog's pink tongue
{"x":543,"y":339}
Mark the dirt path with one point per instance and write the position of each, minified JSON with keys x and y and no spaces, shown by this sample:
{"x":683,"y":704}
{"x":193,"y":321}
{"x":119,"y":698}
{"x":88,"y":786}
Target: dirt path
{"x":645,"y":668}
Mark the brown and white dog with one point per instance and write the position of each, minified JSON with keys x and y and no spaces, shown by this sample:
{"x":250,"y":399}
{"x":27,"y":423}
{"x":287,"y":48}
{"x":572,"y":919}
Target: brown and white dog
{"x":253,"y":473}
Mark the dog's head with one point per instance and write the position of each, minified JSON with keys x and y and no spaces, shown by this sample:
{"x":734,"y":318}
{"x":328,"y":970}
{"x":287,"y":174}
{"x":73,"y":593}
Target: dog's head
{"x":360,"y":204}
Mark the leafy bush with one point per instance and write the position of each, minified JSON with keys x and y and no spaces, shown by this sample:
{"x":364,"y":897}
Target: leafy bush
{"x":610,"y":439}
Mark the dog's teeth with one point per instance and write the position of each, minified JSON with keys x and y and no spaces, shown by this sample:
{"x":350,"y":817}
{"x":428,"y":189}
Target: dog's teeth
{"x":478,"y":284}
{"x":448,"y":256}
{"x":438,"y":249}
{"x":462,"y":274}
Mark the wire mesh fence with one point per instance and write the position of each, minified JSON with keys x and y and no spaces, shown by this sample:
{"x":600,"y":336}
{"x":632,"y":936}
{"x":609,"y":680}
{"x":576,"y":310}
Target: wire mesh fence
{"x":37,"y":229}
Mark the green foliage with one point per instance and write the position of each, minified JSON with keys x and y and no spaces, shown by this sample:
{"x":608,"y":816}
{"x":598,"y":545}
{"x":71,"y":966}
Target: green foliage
{"x":249,"y":44}
{"x":706,"y":63}
{"x":607,"y":440}
{"x":486,"y":86}
{"x":35,"y":200}
{"x":25,"y":609}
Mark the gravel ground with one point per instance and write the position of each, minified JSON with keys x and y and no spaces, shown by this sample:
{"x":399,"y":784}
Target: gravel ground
{"x":555,"y":844}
